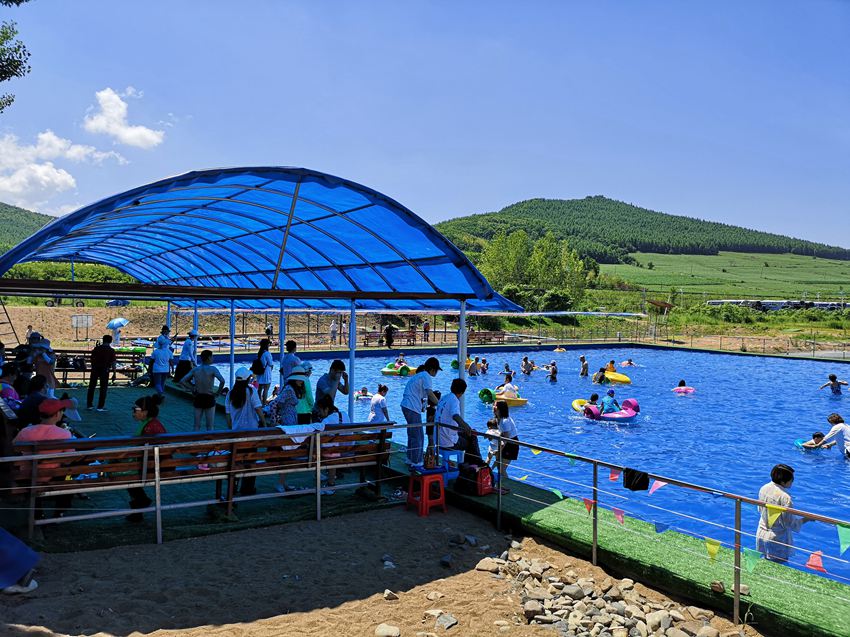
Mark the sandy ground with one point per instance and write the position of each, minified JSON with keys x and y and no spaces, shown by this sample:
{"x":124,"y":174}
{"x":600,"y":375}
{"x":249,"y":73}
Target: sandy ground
{"x":307,"y":579}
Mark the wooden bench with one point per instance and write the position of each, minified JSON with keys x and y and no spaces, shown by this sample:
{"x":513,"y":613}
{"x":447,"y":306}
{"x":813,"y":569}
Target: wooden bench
{"x":87,"y":465}
{"x":370,"y":337}
{"x":482,"y":338}
{"x":129,"y":364}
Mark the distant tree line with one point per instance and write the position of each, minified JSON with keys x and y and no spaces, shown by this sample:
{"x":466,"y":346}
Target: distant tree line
{"x":607,"y":231}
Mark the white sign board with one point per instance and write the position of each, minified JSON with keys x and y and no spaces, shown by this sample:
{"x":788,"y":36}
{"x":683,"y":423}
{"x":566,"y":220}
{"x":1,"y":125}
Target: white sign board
{"x":79,"y":321}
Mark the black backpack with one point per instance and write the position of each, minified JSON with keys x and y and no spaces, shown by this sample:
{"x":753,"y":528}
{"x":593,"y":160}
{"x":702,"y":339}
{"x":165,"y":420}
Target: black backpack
{"x":257,"y":367}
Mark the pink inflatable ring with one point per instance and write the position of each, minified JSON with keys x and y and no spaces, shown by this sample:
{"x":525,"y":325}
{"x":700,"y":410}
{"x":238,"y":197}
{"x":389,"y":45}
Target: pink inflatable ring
{"x":629,"y":410}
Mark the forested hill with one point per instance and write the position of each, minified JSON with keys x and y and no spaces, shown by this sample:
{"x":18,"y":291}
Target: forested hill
{"x":16,"y":224}
{"x":607,"y":230}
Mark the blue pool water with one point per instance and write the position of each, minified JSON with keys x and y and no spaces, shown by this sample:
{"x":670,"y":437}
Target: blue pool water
{"x":742,"y":420}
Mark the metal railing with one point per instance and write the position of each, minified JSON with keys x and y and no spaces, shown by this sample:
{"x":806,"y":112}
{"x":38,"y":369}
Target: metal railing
{"x":595,"y":490}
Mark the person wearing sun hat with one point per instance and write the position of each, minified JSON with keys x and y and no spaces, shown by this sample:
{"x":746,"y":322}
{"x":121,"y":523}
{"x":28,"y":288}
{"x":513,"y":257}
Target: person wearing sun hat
{"x":52,"y":412}
{"x":283,"y":413}
{"x":244,"y":411}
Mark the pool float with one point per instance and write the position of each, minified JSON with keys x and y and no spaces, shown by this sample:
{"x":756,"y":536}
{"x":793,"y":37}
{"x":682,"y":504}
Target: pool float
{"x":617,"y":377}
{"x":578,"y":403}
{"x":559,"y":349}
{"x":684,"y":390}
{"x":360,"y":396}
{"x":629,"y":410}
{"x":454,"y":364}
{"x":512,"y":402}
{"x":392,"y":370}
{"x":487,"y":396}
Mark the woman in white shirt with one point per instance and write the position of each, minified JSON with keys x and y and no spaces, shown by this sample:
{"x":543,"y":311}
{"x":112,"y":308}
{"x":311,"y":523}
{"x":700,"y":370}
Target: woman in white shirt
{"x":378,"y":412}
{"x":776,"y":540}
{"x":264,"y":379}
{"x":244,"y":411}
{"x":507,"y":429}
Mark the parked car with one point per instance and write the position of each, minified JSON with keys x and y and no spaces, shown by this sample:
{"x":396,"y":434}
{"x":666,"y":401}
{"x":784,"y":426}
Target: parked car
{"x":118,"y":303}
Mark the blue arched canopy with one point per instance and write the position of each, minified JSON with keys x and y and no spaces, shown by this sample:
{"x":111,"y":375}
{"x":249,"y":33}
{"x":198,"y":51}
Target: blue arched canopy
{"x":269,"y":233}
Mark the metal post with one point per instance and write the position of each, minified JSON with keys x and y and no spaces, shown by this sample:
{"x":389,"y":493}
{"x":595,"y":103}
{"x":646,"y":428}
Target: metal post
{"x":461,"y":353}
{"x":352,"y":346}
{"x":318,"y":447}
{"x":595,"y":511}
{"x":168,"y":313}
{"x":281,"y":337}
{"x":195,"y":317}
{"x":499,"y":491}
{"x":736,"y":607}
{"x":157,"y":496}
{"x":721,"y":343}
{"x":232,"y":346}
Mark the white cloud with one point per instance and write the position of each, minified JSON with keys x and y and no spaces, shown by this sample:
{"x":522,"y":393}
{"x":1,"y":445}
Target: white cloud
{"x":111,"y":119}
{"x":28,"y":175}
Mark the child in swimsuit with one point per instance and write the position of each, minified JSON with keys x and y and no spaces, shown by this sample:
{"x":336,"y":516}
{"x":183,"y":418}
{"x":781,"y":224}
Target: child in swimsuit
{"x":834,"y":384}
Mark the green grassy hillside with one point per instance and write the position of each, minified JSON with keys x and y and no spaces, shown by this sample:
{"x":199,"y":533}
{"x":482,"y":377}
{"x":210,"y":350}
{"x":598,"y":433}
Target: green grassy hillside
{"x":738,"y":275}
{"x":609,"y":230}
{"x":16,"y":224}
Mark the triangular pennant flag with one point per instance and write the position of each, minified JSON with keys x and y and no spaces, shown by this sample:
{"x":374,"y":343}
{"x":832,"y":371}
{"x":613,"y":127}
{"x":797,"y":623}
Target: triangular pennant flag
{"x":614,"y":475}
{"x":558,"y":493}
{"x":712,"y":546}
{"x":843,"y":538}
{"x":656,"y":485}
{"x":588,"y":504}
{"x":536,"y":452}
{"x":572,"y":461}
{"x":660,"y":527}
{"x":619,"y":514}
{"x":773,"y":513}
{"x":751,"y":558}
{"x":523,"y":478}
{"x":816,"y":562}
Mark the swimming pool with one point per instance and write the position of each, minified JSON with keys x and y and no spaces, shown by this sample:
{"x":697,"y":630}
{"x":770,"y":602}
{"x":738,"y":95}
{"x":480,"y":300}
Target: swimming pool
{"x":742,"y":420}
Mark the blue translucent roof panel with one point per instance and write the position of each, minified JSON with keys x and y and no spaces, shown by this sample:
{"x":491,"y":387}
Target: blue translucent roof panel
{"x":267,"y":228}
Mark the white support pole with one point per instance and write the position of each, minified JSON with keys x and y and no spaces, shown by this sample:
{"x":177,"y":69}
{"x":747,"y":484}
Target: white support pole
{"x":352,"y":345}
{"x":232,"y":344}
{"x":461,"y":353}
{"x":195,"y":317}
{"x":168,"y":314}
{"x":281,"y":336}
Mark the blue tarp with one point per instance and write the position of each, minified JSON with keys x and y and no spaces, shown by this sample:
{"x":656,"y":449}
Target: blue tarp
{"x":267,"y":228}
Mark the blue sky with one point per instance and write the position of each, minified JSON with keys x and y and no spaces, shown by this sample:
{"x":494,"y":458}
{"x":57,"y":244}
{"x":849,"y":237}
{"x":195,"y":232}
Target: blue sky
{"x":735,"y":112}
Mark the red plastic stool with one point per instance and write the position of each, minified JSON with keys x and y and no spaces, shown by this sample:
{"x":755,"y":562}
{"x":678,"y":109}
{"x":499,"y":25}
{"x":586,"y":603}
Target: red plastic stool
{"x":419,"y":489}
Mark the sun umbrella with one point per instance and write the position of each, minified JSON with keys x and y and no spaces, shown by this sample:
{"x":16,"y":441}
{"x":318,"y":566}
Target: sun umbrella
{"x":116,"y":323}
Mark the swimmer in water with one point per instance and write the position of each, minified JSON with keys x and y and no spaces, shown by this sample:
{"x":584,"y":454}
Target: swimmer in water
{"x":817,"y":442}
{"x":553,"y":372}
{"x":628,"y":363}
{"x":484,"y":366}
{"x":593,"y":399}
{"x":610,"y":367}
{"x":834,"y":384}
{"x":508,"y":371}
{"x":584,"y":366}
{"x":599,"y":377}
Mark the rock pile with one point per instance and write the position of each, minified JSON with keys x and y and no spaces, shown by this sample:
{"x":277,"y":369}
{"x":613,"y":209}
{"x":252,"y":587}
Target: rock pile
{"x":577,"y":606}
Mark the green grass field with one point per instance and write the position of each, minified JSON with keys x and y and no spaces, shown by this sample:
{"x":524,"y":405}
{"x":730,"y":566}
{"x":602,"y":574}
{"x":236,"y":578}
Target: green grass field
{"x":739,"y":275}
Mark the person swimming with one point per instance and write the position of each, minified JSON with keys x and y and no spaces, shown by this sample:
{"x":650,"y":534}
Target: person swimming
{"x":484,"y":366}
{"x":599,"y":377}
{"x":610,"y":367}
{"x":594,"y":398}
{"x":834,"y":384}
{"x":817,"y":442}
{"x":552,"y":368}
{"x":628,"y":363}
{"x":584,"y":366}
{"x":508,"y":370}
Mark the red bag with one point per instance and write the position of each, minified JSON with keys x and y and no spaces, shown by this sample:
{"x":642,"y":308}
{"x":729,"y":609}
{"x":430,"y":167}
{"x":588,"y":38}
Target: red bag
{"x":484,"y":481}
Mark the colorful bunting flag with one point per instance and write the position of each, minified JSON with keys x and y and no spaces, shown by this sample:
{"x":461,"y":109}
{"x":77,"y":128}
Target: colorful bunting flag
{"x":773,"y":513}
{"x":619,"y":514}
{"x":614,"y":475}
{"x":751,"y":558}
{"x":588,"y":504}
{"x":656,"y":485}
{"x":558,"y":493}
{"x":843,"y":538}
{"x":660,"y":527}
{"x":712,"y":546}
{"x":536,"y":452}
{"x":816,"y":562}
{"x":523,"y":478}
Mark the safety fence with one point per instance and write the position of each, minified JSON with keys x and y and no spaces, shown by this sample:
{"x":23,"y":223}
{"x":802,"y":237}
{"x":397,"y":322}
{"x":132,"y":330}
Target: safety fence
{"x":599,"y":493}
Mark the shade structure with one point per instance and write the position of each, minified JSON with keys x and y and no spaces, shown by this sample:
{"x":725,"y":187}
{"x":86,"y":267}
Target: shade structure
{"x":275,"y":231}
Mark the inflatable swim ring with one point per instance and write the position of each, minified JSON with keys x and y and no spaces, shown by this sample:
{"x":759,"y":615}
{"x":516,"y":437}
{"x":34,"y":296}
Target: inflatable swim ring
{"x":684,"y":390}
{"x":513,"y":402}
{"x":578,"y":403}
{"x":628,"y":412}
{"x":617,"y":377}
{"x":487,"y":396}
{"x":359,"y":396}
{"x":392,"y":370}
{"x":559,"y":349}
